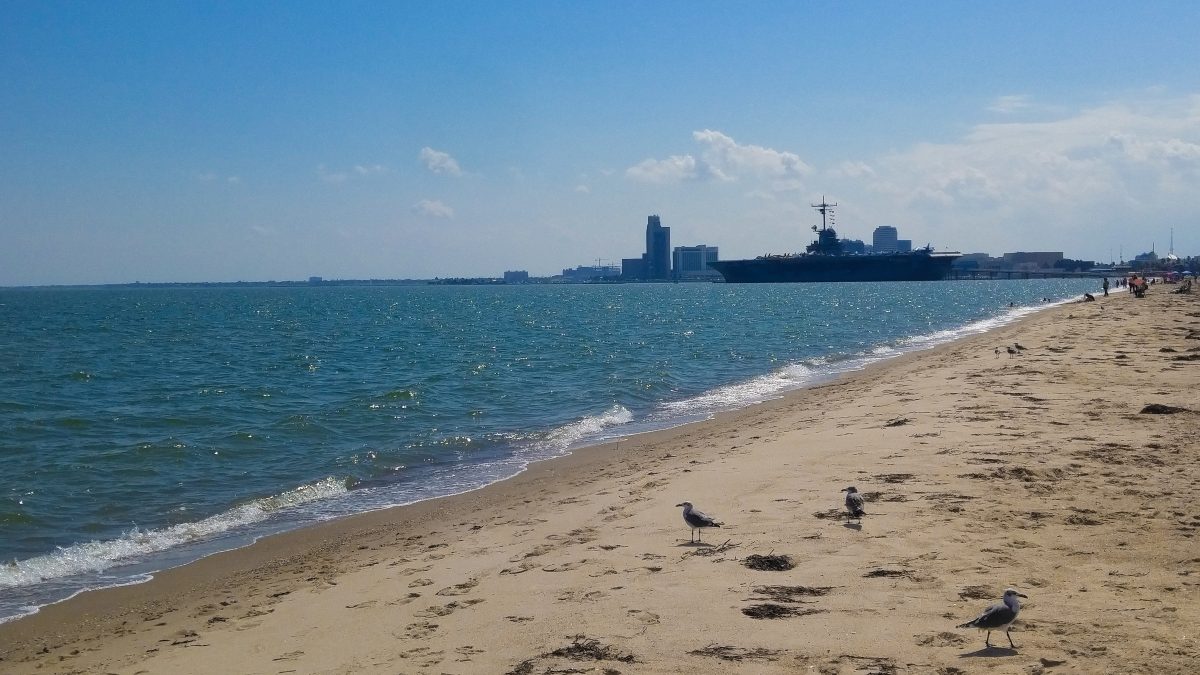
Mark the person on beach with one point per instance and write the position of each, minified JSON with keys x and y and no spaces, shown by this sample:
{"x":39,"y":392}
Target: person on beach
{"x":1105,"y":285}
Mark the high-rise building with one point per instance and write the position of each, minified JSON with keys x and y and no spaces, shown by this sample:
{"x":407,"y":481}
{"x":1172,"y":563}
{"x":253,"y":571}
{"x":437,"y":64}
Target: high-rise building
{"x":884,"y":240}
{"x":690,"y":262}
{"x":658,"y":249}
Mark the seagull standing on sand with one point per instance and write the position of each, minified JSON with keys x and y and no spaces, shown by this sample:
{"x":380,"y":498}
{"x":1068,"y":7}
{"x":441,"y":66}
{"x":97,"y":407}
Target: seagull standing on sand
{"x":1012,"y":352}
{"x":1018,"y":346}
{"x":1000,"y":615}
{"x":696,"y":520}
{"x":854,"y":502}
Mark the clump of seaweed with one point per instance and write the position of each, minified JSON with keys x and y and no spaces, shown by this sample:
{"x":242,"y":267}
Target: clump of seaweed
{"x":583,"y":648}
{"x":770,"y":610}
{"x":1160,"y":409}
{"x":731,"y":653}
{"x":791,"y":593}
{"x":891,"y":574}
{"x":769,"y":563}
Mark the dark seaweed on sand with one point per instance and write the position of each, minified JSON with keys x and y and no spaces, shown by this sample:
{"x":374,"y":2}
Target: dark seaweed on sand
{"x":730,"y":653}
{"x":770,"y":610}
{"x":1160,"y":409}
{"x":769,"y":563}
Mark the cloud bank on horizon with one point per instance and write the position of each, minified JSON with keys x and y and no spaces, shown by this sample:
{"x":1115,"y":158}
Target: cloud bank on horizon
{"x":549,"y":149}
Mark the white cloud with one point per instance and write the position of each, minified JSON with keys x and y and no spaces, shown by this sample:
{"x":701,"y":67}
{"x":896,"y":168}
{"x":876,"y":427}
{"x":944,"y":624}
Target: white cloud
{"x":674,"y":169}
{"x":439,"y":162}
{"x":1009,"y":104}
{"x":337,"y":176}
{"x":1078,"y":181}
{"x":433,"y":208}
{"x":733,"y":159}
{"x":330,"y":176}
{"x":724,"y":159}
{"x":212,"y":177}
{"x":583,"y":189}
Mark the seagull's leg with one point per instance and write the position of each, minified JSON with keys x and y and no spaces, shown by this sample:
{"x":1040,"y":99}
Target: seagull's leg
{"x":987,"y":641}
{"x":1010,"y":642}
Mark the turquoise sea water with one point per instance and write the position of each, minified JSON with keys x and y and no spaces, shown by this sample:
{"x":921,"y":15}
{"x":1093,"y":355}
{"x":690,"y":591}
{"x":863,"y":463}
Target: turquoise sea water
{"x":143,"y":428}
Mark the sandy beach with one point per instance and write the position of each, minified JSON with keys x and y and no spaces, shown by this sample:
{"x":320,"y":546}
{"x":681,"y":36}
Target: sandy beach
{"x":982,"y":470}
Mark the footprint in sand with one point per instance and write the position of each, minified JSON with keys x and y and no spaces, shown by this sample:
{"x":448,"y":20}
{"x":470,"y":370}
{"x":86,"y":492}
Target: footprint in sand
{"x":403,"y":601}
{"x":417,"y":583}
{"x":465,"y":652}
{"x":540,"y":549}
{"x":459,"y":589}
{"x":417,"y":631}
{"x":519,"y":569}
{"x":426,"y":657}
{"x":643,"y":617}
{"x":448,"y":608}
{"x":580,"y":596}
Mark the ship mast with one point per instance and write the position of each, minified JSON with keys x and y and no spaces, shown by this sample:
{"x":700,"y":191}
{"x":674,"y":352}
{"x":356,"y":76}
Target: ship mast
{"x":826,"y":209}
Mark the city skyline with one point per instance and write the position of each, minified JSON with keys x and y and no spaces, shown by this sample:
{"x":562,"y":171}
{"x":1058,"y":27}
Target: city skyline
{"x":203,"y":142}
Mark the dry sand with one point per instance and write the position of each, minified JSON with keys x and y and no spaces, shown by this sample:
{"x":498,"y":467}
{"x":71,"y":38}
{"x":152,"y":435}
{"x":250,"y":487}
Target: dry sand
{"x":981,"y":470}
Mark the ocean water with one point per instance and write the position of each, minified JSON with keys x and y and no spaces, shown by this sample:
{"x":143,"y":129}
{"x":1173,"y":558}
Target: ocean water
{"x":142,"y":428}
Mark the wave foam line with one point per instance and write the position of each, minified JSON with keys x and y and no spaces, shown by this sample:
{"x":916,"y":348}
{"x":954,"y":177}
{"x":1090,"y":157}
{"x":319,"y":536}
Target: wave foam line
{"x":568,"y":436}
{"x":97,"y":556}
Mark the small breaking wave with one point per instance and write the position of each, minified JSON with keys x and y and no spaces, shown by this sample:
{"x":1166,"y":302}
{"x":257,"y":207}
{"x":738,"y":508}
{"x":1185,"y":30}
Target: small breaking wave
{"x":586,"y":429}
{"x":98,"y":556}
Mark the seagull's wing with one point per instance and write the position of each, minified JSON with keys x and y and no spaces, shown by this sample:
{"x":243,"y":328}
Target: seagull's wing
{"x":993,"y":617}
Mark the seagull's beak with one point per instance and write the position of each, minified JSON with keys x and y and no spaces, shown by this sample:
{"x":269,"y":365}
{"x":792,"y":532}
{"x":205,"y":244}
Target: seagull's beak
{"x":679,"y":504}
{"x":1022,"y":595}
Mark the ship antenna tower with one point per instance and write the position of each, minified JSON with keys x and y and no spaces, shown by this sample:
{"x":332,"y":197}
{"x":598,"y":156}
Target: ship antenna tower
{"x":827,"y":215}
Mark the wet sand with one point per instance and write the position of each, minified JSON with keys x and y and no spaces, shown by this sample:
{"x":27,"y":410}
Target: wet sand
{"x":981,"y":471}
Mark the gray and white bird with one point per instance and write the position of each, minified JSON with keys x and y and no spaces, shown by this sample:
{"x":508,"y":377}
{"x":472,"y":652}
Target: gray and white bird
{"x":854,"y":502}
{"x":999,"y":616}
{"x":1019,"y":346}
{"x":696,"y":520}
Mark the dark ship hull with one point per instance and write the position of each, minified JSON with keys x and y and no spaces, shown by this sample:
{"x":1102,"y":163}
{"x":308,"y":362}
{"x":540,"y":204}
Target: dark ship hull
{"x":915,"y":266}
{"x":826,"y":260}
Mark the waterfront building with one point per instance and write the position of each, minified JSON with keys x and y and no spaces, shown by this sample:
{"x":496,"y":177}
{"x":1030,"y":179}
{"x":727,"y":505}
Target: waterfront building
{"x":691,"y":262}
{"x":1031,"y":259}
{"x":633,"y":268}
{"x":884,"y":240}
{"x":658,"y":249}
{"x":516,"y":277}
{"x":591,"y":273}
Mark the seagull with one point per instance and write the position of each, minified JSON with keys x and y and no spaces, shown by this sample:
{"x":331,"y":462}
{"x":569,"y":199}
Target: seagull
{"x":999,"y":615}
{"x":1018,"y":346}
{"x":696,"y":520}
{"x":1012,"y":352}
{"x":854,"y":502}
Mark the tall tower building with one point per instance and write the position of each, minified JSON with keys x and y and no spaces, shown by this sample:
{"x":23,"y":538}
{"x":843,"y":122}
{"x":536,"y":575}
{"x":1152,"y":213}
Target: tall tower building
{"x":658,"y":249}
{"x":885,"y":240}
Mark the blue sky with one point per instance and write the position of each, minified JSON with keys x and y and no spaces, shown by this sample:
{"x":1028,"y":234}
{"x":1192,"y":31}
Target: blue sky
{"x":144,"y":141}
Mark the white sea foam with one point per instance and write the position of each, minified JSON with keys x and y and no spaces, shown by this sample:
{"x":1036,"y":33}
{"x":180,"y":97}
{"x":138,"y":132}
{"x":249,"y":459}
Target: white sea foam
{"x":97,"y":556}
{"x":755,"y":390}
{"x":570,"y":435}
